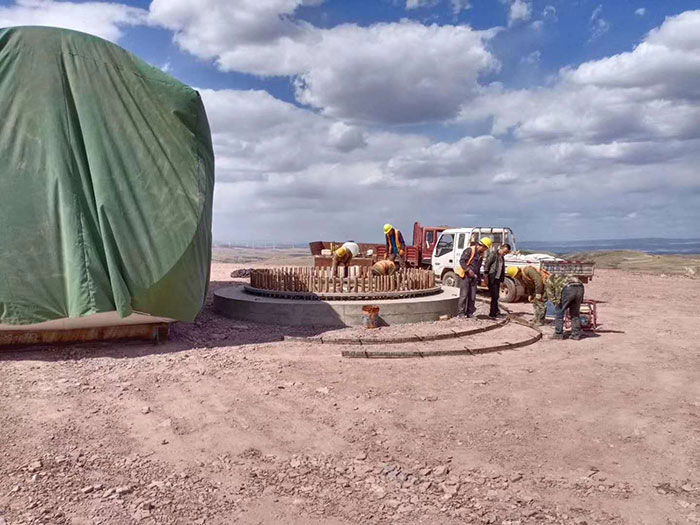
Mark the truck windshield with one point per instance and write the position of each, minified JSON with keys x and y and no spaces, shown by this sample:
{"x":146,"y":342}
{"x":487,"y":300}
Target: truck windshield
{"x":444,"y":245}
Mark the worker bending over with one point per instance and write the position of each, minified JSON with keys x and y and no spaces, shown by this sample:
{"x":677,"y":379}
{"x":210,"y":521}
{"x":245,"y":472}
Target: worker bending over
{"x":343,"y":256}
{"x":566,"y":293}
{"x":469,"y":272}
{"x":495,"y":272}
{"x":395,"y":245}
{"x":384,"y":267}
{"x":533,"y":280}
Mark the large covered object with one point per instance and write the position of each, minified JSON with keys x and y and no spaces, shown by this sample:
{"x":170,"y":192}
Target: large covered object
{"x":106,"y":182}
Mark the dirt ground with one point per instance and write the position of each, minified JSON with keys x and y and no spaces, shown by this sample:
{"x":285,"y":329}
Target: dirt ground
{"x":227,"y":424}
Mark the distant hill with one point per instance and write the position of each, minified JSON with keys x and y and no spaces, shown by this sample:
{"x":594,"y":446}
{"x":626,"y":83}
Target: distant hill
{"x":638,"y":261}
{"x":263,"y":256}
{"x":650,"y":245}
{"x":629,"y":260}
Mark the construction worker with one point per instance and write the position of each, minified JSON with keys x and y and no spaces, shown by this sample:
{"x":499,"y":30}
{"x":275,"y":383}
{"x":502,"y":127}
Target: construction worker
{"x":566,"y":293}
{"x":469,"y":272}
{"x":395,"y":245}
{"x":533,"y":280}
{"x":343,"y":256}
{"x":495,"y":272}
{"x":384,"y":267}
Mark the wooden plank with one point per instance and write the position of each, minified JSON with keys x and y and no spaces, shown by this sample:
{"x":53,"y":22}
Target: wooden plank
{"x":154,"y":331}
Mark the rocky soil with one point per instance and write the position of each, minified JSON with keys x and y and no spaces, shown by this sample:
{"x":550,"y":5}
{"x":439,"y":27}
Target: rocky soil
{"x":226,"y":423}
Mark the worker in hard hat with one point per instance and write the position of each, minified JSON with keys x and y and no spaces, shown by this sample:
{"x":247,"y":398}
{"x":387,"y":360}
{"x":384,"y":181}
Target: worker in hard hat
{"x":566,"y":293}
{"x":533,"y":280}
{"x":469,"y":271}
{"x":395,"y":245}
{"x":495,"y":273}
{"x":384,"y":267}
{"x":343,"y":256}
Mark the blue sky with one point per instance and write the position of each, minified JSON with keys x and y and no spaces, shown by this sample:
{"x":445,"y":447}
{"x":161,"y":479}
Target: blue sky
{"x":564,"y":119}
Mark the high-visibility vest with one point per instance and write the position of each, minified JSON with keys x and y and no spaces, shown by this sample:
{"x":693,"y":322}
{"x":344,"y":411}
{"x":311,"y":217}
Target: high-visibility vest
{"x":461,"y":271}
{"x":397,"y":238}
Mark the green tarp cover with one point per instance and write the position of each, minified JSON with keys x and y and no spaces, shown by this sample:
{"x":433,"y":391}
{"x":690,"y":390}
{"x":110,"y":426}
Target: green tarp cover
{"x":106,"y":182}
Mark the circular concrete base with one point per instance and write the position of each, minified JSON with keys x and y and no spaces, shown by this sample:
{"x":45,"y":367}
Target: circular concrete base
{"x":234,"y":302}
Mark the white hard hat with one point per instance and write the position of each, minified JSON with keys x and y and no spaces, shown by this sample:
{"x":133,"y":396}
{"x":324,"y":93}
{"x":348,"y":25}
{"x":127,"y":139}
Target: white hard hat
{"x":353,"y":248}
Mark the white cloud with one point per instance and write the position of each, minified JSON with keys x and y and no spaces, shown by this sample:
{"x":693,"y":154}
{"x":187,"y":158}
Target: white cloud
{"x":460,"y":5}
{"x":625,"y":128}
{"x":381,"y":73}
{"x":346,"y":138}
{"x":279,"y":167}
{"x":532,"y":58}
{"x":466,"y":158}
{"x":549,"y":13}
{"x":664,"y":65}
{"x":414,"y":4}
{"x":519,"y":11}
{"x":505,"y":178}
{"x":209,"y":28}
{"x":256,"y":135}
{"x":599,"y":26}
{"x":641,"y":11}
{"x":387,"y":73}
{"x":606,"y":140}
{"x":103,"y":19}
{"x":609,"y":146}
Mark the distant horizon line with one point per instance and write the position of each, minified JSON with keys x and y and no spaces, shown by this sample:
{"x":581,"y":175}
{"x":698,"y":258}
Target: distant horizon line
{"x":664,"y":239}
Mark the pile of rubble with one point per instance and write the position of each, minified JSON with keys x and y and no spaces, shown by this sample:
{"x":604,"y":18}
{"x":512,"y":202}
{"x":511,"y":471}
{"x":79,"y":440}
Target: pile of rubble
{"x":362,"y":491}
{"x":51,"y":489}
{"x":242,"y":272}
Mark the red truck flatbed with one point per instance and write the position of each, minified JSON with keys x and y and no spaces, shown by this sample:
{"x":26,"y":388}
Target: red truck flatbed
{"x":418,"y":254}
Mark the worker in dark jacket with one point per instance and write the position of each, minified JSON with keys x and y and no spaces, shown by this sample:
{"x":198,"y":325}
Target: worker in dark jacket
{"x":469,"y":272}
{"x":566,"y":293}
{"x":495,"y":271}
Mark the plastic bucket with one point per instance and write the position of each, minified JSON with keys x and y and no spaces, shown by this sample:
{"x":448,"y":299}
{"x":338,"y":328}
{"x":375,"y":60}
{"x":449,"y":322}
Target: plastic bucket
{"x":370,"y":314}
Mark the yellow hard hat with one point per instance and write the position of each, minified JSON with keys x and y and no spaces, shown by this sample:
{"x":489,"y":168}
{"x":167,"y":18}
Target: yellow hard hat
{"x":486,"y":241}
{"x":388,"y":227}
{"x":512,"y":271}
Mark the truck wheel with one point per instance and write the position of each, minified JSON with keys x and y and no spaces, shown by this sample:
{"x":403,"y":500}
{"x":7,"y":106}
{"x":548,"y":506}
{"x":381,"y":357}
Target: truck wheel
{"x":449,"y":279}
{"x":509,"y":291}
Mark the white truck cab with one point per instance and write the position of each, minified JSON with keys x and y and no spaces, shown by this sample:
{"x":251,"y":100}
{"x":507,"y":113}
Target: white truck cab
{"x":452,"y":242}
